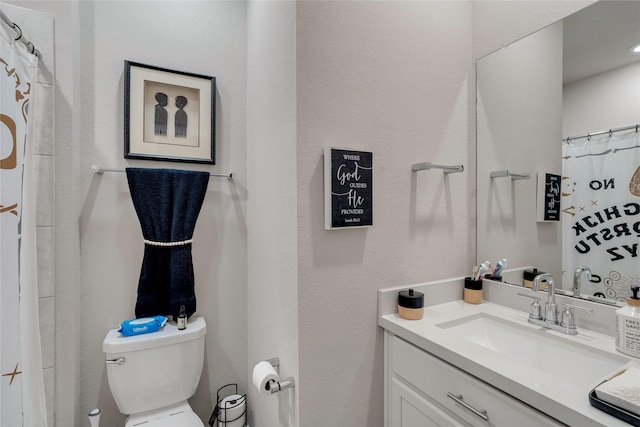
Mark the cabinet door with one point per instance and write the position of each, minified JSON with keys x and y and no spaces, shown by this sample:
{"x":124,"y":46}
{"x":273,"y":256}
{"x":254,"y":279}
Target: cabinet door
{"x":459,"y":393}
{"x":410,"y":409}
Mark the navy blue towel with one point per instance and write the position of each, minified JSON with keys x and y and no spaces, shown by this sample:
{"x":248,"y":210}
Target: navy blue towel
{"x":167,"y":202}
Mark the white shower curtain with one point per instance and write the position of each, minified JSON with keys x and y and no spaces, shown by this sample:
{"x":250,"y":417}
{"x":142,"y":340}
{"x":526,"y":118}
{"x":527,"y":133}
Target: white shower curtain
{"x":601,"y":212}
{"x":22,"y":398}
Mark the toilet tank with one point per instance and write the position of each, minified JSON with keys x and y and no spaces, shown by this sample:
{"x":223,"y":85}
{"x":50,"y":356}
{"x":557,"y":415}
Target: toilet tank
{"x":158,"y":369}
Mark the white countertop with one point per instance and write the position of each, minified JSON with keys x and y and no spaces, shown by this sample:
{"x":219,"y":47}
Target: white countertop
{"x":554,"y":396}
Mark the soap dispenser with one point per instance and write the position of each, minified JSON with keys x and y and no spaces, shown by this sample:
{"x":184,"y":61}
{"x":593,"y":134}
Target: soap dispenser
{"x":628,"y":326}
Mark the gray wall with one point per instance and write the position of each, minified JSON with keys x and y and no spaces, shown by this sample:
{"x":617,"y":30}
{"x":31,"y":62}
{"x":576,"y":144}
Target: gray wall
{"x":393,"y":78}
{"x":604,"y":101}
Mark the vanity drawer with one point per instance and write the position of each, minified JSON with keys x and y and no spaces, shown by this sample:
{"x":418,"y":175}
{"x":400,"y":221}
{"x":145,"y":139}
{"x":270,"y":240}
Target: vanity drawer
{"x":439,"y":381}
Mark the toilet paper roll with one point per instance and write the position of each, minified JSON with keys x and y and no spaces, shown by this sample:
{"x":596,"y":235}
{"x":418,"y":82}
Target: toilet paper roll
{"x":232,"y":411}
{"x":263,"y":372}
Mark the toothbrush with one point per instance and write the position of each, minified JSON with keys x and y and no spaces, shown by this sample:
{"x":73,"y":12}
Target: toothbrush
{"x":481,"y":272}
{"x":484,"y":269}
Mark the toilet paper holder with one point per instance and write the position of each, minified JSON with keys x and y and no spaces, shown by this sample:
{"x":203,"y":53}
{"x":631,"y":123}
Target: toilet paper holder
{"x":276,"y":386}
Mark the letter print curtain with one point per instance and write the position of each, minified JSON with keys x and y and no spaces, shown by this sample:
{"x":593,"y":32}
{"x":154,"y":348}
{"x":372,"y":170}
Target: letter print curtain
{"x":21,"y":383}
{"x":601,"y":212}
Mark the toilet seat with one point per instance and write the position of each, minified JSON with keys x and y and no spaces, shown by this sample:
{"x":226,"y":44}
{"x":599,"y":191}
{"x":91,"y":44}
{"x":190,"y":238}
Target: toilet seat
{"x":176,"y":415}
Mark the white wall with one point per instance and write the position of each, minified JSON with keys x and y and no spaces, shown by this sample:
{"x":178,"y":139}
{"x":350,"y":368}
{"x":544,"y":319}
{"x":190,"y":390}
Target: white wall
{"x":201,"y":37}
{"x":519,"y":110}
{"x":604,"y":101}
{"x":497,"y":22}
{"x":271,"y":208}
{"x":392,"y":78}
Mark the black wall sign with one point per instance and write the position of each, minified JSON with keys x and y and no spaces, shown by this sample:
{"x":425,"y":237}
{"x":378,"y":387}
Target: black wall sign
{"x":549,"y":197}
{"x":348,"y":188}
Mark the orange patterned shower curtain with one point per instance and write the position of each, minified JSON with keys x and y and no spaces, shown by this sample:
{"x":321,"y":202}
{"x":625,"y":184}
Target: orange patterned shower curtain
{"x":22,"y":400}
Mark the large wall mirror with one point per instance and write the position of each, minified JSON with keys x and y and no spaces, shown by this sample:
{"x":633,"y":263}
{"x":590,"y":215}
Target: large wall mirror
{"x":576,"y":79}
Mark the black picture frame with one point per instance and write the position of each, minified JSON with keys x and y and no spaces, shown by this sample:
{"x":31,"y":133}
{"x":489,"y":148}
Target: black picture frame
{"x":348,"y":188}
{"x":168,"y":115}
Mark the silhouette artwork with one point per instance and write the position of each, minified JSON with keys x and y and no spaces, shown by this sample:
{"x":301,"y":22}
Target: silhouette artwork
{"x":181,"y":117}
{"x":168,"y":115}
{"x":161,"y":114}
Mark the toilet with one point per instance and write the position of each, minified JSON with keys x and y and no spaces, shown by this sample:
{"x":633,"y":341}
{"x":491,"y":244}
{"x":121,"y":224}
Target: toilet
{"x":152,"y":375}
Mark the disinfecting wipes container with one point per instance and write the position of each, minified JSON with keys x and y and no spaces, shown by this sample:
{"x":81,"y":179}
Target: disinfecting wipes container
{"x":143,"y":325}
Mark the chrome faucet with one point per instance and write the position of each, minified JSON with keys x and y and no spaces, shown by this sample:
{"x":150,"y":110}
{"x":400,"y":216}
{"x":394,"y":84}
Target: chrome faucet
{"x":577,"y":285}
{"x":550,"y":319}
{"x":551,"y":309}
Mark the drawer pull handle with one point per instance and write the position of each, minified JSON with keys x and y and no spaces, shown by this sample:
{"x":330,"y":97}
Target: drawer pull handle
{"x":482,"y":413}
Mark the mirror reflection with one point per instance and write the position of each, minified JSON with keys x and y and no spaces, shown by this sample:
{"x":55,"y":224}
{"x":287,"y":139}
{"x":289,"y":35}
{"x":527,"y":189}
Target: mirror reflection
{"x":564,"y":102}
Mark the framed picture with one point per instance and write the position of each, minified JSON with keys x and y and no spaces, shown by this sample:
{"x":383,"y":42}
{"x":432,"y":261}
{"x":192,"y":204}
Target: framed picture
{"x":168,"y":115}
{"x":348,"y":188}
{"x":548,"y":197}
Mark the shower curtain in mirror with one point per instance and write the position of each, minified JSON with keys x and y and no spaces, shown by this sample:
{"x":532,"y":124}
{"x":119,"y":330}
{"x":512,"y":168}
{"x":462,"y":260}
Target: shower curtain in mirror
{"x":601,"y":212}
{"x":22,"y":401}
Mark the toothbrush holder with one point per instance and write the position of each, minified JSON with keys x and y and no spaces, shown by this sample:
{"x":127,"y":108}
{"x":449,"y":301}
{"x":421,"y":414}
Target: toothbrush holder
{"x":472,"y":291}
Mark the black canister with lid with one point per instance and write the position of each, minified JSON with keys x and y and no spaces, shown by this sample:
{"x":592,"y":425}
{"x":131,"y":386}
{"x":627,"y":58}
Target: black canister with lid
{"x":530,"y":274}
{"x":410,"y":304}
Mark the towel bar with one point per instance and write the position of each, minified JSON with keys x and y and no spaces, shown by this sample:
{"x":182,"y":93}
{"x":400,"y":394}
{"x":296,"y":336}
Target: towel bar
{"x":97,"y":169}
{"x":428,"y":165}
{"x":505,"y":173}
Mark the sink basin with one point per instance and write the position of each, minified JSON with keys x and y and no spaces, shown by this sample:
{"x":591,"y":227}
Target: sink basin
{"x":536,"y":347}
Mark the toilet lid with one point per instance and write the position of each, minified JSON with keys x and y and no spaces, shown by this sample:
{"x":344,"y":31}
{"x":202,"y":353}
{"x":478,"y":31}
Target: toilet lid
{"x":182,"y":419}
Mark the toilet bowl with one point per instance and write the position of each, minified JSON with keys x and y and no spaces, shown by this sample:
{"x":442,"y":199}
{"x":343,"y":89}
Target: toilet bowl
{"x":151,"y":376}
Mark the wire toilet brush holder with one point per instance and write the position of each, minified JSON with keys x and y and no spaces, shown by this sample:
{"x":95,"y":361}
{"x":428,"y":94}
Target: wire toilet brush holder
{"x":225,"y":413}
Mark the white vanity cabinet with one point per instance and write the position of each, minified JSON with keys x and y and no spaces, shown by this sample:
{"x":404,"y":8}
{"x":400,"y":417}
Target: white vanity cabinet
{"x":422,"y":390}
